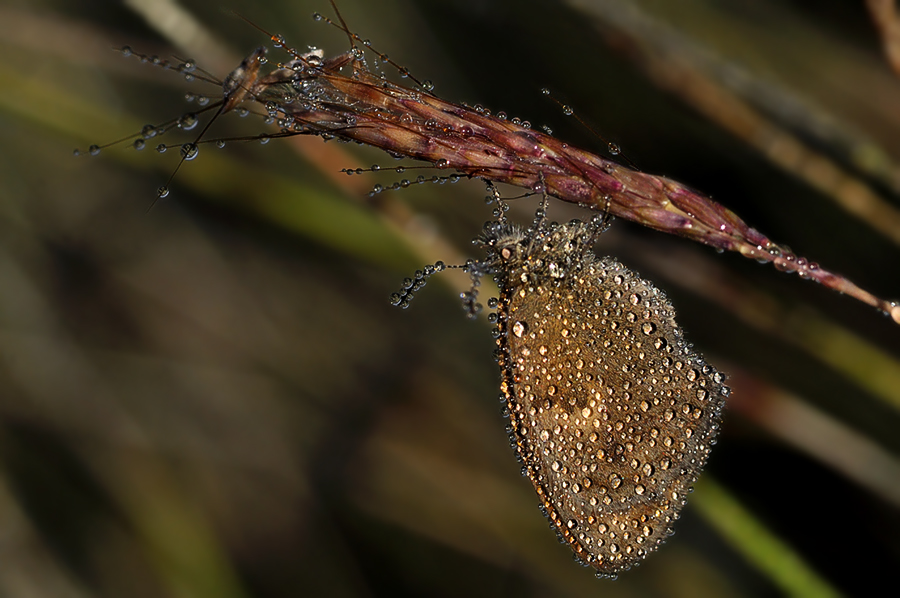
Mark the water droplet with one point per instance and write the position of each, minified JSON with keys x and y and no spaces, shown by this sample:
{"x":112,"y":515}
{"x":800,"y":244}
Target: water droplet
{"x":188,"y":121}
{"x":94,"y":150}
{"x":189,"y":151}
{"x":162,"y":192}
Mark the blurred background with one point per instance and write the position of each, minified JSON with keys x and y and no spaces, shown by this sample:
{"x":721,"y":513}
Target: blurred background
{"x":215,"y":398}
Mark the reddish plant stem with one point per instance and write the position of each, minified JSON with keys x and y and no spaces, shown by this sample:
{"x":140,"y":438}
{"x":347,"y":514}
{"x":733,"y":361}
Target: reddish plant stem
{"x":312,"y":96}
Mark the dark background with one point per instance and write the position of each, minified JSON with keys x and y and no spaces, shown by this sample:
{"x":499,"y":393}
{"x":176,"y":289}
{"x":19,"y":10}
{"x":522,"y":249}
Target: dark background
{"x":214,"y":398}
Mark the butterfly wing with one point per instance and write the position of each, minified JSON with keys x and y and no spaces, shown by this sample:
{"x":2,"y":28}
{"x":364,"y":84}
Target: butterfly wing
{"x":612,"y":412}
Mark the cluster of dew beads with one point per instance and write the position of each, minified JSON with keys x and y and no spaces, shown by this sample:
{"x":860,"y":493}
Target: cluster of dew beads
{"x":402,"y":183}
{"x":411,"y":285}
{"x":470,"y":298}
